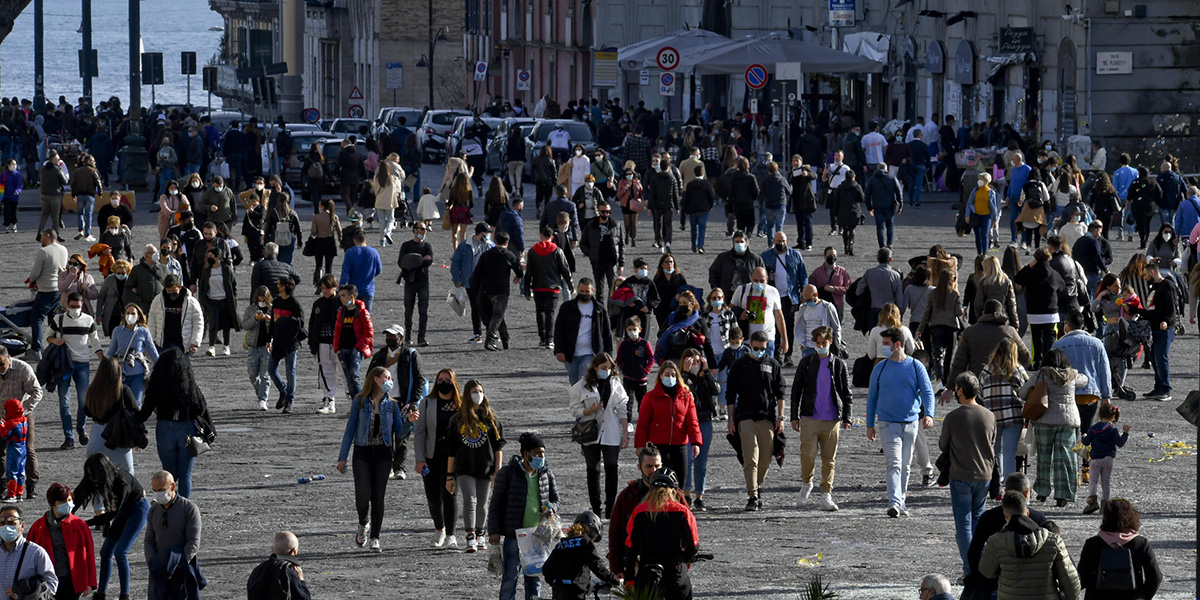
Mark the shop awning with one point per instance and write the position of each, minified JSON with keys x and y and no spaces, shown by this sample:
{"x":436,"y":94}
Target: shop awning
{"x":1007,"y":60}
{"x":643,"y":55}
{"x":732,"y":58}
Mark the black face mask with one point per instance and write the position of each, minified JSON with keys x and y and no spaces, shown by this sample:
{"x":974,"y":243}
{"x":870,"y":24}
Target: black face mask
{"x":584,"y":298}
{"x":171,"y":296}
{"x":781,"y":248}
{"x":445,"y":388}
{"x":829,"y":260}
{"x":393,"y":344}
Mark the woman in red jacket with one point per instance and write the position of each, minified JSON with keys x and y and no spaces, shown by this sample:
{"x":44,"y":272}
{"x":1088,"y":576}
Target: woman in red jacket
{"x":74,"y":542}
{"x":667,"y":418}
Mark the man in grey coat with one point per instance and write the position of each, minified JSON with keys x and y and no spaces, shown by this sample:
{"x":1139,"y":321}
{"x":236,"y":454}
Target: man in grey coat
{"x":173,"y":527}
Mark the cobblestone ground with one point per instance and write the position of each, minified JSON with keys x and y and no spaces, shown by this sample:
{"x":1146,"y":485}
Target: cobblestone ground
{"x":247,"y":489}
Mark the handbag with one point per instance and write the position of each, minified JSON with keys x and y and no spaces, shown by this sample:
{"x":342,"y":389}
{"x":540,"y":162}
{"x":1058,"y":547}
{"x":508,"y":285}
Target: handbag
{"x":197,"y":446}
{"x":1189,"y":409}
{"x":31,"y":588}
{"x":310,"y":247}
{"x":861,"y":373}
{"x":585,"y":432}
{"x":446,"y":224}
{"x":1036,"y":403}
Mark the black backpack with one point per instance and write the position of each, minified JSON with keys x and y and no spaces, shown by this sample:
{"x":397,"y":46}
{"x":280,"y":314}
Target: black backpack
{"x":1115,"y":572}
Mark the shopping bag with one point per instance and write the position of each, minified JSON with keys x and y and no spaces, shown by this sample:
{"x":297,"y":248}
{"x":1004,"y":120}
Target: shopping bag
{"x":533,"y":550}
{"x":457,"y":299}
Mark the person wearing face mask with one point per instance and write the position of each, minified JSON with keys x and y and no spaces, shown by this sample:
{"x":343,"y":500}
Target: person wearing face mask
{"x":642,"y":296}
{"x":169,"y":204}
{"x":287,"y":332}
{"x":77,"y":279}
{"x":24,"y":560}
{"x":547,"y":274}
{"x":666,"y":285}
{"x":432,"y":452}
{"x":403,"y":362}
{"x":587,"y":197}
{"x":698,"y":200}
{"x":900,"y":397}
{"x":702,"y":382}
{"x":580,"y":167}
{"x":755,"y":398}
{"x":322,"y":323}
{"x":524,"y":491}
{"x":831,"y":280}
{"x":581,"y":331}
{"x":196,"y":252}
{"x":603,"y":242}
{"x":52,"y":178}
{"x":630,"y":195}
{"x":68,"y":541}
{"x":490,"y":281}
{"x":218,"y":295}
{"x":11,"y":184}
{"x":77,"y":331}
{"x":375,"y":422}
{"x":86,"y":185}
{"x":117,"y":237}
{"x":353,"y":335}
{"x":821,"y":400}
{"x":256,"y":322}
{"x":109,"y":302}
{"x":1165,"y":246}
{"x":172,"y":539}
{"x":115,"y":207}
{"x":649,"y":462}
{"x":983,"y":208}
{"x":758,"y":307}
{"x":662,"y":198}
{"x":133,"y":344}
{"x":216,"y":203}
{"x":601,"y":410}
{"x":176,"y":401}
{"x":788,"y":275}
{"x":176,"y":319}
{"x":474,"y":446}
{"x":812,"y":314}
{"x":731,"y":269}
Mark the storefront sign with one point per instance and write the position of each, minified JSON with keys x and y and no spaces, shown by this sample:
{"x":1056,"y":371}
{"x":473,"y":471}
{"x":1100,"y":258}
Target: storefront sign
{"x":1016,"y":39}
{"x":964,"y":63}
{"x":935,"y":57}
{"x":841,"y":13}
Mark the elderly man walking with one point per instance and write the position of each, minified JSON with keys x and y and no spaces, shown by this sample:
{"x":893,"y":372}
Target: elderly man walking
{"x":900,"y":397}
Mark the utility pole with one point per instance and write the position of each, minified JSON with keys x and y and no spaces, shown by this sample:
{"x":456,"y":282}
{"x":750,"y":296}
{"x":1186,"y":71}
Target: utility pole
{"x":432,"y":42}
{"x":39,"y":67}
{"x":135,"y":57}
{"x":87,"y":51}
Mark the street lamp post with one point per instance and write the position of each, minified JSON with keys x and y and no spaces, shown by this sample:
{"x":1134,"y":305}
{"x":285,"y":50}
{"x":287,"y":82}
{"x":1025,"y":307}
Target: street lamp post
{"x":435,"y":36}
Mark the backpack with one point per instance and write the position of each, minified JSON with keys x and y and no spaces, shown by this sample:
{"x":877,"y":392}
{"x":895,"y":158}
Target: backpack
{"x":1115,"y":571}
{"x":1036,"y":195}
{"x":283,"y":234}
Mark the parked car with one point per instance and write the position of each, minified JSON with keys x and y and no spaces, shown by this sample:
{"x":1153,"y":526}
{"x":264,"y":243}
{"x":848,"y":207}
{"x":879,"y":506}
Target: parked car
{"x":540,"y":134}
{"x":434,"y":130}
{"x":301,"y":142}
{"x":389,"y":119}
{"x":294,"y":128}
{"x":346,"y":127}
{"x":222,"y":118}
{"x":496,"y":147}
{"x":461,"y":124}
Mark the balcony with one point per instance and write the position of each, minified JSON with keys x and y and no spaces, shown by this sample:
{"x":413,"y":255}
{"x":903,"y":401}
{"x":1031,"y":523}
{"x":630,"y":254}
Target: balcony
{"x":255,"y":9}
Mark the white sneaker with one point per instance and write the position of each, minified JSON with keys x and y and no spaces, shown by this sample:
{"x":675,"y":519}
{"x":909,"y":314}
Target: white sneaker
{"x":326,"y":407}
{"x":225,"y":351}
{"x":472,"y":545}
{"x":826,"y":503}
{"x":452,"y":542}
{"x":89,"y":238}
{"x":262,"y":405}
{"x":893,"y":511}
{"x":374,"y":547}
{"x":439,"y":539}
{"x":806,"y":488}
{"x":212,"y":351}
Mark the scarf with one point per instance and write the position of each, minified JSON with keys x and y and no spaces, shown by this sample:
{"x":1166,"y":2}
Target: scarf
{"x":1116,"y":539}
{"x":664,"y":340}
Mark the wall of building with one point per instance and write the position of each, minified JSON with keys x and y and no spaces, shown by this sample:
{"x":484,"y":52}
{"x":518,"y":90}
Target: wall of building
{"x":402,"y":33}
{"x":553,"y":39}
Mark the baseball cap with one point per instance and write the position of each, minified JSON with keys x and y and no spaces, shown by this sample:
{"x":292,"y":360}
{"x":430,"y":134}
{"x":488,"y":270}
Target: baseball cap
{"x":395,"y":329}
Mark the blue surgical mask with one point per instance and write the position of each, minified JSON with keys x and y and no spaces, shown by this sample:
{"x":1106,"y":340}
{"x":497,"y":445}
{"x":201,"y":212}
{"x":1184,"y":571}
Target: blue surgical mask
{"x":643,"y":273}
{"x":537,"y":462}
{"x":64,"y":509}
{"x":387,"y":386}
{"x":886,"y":351}
{"x":121,"y":276}
{"x":668,"y":271}
{"x":810,"y":302}
{"x":420,"y":237}
{"x":718,"y":303}
{"x":603,"y":373}
{"x":669,"y":381}
{"x":739,"y":247}
{"x":758,"y":287}
{"x":350,"y":303}
{"x":9,"y":533}
{"x":758,"y":354}
{"x":822,"y":351}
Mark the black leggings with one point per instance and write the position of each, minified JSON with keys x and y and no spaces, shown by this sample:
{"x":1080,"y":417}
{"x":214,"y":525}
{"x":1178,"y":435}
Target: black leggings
{"x":674,"y":457}
{"x":636,"y":390}
{"x":1043,"y":339}
{"x":592,"y":455}
{"x":675,"y":582}
{"x":441,"y":502}
{"x":372,"y":465}
{"x":662,"y":226}
{"x":1033,"y":237}
{"x":942,"y":351}
{"x":542,"y":195}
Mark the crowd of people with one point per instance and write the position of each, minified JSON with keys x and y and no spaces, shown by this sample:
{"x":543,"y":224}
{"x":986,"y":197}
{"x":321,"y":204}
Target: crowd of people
{"x":653,"y":361}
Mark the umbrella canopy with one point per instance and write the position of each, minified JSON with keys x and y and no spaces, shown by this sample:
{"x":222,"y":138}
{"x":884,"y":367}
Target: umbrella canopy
{"x":733,"y":58}
{"x":644,"y":54}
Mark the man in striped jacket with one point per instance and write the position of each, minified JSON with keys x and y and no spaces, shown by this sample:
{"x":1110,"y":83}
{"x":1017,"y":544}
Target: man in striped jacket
{"x":77,"y":330}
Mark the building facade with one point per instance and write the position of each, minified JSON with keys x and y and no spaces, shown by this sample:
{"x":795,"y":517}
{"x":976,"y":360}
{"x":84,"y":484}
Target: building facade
{"x":259,"y":33}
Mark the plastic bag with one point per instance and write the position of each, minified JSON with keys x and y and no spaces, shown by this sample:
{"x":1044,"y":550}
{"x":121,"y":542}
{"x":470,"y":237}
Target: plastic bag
{"x":457,"y":299}
{"x":533,"y":549}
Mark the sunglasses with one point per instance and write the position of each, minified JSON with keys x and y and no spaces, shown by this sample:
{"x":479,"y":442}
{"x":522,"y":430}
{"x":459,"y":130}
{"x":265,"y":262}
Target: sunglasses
{"x":606,"y":212}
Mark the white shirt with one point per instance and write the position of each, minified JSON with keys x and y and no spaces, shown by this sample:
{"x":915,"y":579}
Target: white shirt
{"x":931,"y":131}
{"x":837,"y":174}
{"x":559,"y":138}
{"x":781,"y":276}
{"x":873,"y":146}
{"x":764,"y":307}
{"x":875,"y":341}
{"x":583,"y":339}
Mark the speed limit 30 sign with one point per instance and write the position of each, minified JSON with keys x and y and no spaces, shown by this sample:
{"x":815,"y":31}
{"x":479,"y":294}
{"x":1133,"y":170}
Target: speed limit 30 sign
{"x":668,"y":58}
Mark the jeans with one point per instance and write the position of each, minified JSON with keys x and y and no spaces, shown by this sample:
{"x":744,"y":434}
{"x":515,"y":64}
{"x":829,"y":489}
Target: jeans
{"x":84,"y":210}
{"x":80,"y":374}
{"x":804,"y":227}
{"x":43,"y":303}
{"x":372,"y":465}
{"x":699,"y":227}
{"x":983,"y":234}
{"x":1007,"y":438}
{"x":351,"y":358}
{"x":165,"y":176}
{"x":917,"y":186}
{"x":172,"y":451}
{"x":257,"y":365}
{"x":1160,"y":358}
{"x":595,"y":458}
{"x":898,"y":440}
{"x":577,"y":366}
{"x":662,"y":226}
{"x":512,"y":567}
{"x":942,"y":354}
{"x":884,"y":223}
{"x":416,"y":296}
{"x":117,"y":546}
{"x":967,"y":500}
{"x":1165,"y":216}
{"x":368,"y":300}
{"x":1013,"y":212}
{"x":774,"y":217}
{"x":698,"y":467}
{"x":289,"y":391}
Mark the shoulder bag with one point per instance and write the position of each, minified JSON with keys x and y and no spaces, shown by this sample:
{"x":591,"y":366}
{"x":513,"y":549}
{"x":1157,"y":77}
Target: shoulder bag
{"x":33,"y":587}
{"x":1036,"y":403}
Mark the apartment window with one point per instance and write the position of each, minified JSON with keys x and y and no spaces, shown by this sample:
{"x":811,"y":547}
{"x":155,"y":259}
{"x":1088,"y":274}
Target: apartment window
{"x":330,"y":67}
{"x":517,"y":18}
{"x":473,"y":16}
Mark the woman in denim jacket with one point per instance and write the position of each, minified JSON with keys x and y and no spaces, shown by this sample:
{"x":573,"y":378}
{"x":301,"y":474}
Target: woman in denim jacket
{"x":375,"y":420}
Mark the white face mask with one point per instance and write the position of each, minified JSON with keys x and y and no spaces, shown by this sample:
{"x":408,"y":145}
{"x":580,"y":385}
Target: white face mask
{"x":633,"y":334}
{"x":219,"y":189}
{"x":173,"y":192}
{"x":579,"y":153}
{"x":1167,"y":237}
{"x":589,"y":185}
{"x":161,"y":497}
{"x":74,"y":312}
{"x":131,"y":319}
{"x":477,"y":397}
{"x":115,"y":202}
{"x":196,"y":184}
{"x":258,"y":186}
{"x":262,"y":304}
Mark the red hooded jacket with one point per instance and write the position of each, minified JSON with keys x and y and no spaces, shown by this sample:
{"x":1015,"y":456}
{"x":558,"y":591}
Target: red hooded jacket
{"x":664,"y":420}
{"x":363,"y":329}
{"x":81,"y":552}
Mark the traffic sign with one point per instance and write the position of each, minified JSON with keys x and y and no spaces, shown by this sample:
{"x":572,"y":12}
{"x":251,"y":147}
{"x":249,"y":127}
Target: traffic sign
{"x":754,"y":106}
{"x":355,"y":111}
{"x":152,"y":68}
{"x":311,"y":115}
{"x":756,"y":76}
{"x":356,"y":94}
{"x":668,"y":58}
{"x":644,"y":77}
{"x":481,"y":70}
{"x":187,"y":63}
{"x":523,"y":78}
{"x":395,"y":75}
{"x":666,"y":84}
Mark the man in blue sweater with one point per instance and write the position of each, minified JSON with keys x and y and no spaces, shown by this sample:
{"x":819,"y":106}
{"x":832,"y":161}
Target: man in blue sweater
{"x":901,"y":398}
{"x":360,"y":267}
{"x":1017,"y":178}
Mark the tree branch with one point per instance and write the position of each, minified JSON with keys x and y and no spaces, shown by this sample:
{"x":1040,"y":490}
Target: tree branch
{"x":9,"y":11}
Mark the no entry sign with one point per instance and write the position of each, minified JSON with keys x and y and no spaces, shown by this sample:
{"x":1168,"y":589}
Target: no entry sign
{"x":668,"y":58}
{"x":756,"y":76}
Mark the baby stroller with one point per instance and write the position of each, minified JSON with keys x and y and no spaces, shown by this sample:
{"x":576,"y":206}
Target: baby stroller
{"x":13,"y":320}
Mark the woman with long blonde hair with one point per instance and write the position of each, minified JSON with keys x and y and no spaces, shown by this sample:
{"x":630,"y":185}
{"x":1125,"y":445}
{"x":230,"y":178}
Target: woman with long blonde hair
{"x":1000,"y":378}
{"x":663,"y":532}
{"x":994,"y":284}
{"x":432,"y":451}
{"x":474,"y":443}
{"x":889,"y":316}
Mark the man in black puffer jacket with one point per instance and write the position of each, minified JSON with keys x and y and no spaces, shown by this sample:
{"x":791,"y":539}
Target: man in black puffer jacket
{"x":662,"y":198}
{"x":743,"y":193}
{"x":507,"y":511}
